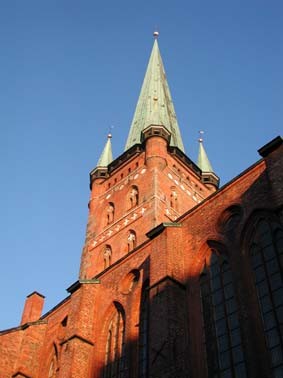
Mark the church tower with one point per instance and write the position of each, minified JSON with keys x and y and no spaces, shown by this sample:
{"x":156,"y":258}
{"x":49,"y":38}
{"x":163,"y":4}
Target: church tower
{"x":152,"y":182}
{"x":178,"y":279}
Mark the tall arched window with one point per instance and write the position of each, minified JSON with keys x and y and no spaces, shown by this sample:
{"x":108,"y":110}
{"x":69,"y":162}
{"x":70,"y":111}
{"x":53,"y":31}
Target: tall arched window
{"x":143,"y":332}
{"x":222,"y":336}
{"x":114,"y":353}
{"x":266,"y":255}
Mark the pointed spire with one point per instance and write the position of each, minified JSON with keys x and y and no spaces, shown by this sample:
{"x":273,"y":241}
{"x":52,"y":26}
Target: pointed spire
{"x":203,"y":162}
{"x":101,"y":170}
{"x":155,"y":106}
{"x":106,"y":156}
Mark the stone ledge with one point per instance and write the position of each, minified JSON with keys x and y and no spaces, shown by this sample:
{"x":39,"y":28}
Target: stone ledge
{"x":76,"y":285}
{"x":160,"y":228}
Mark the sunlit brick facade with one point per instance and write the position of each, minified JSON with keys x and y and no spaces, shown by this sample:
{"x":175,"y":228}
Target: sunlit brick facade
{"x":177,"y":279}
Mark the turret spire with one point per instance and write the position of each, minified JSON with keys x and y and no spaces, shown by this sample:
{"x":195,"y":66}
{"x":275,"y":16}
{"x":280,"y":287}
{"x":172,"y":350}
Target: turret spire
{"x":208,"y":177}
{"x":155,"y":106}
{"x":203,"y":162}
{"x":106,"y":156}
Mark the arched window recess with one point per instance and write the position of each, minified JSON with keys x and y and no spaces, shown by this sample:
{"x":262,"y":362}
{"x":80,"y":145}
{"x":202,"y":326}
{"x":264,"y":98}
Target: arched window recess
{"x":265,"y":249}
{"x":115,"y":344}
{"x":221,"y":327}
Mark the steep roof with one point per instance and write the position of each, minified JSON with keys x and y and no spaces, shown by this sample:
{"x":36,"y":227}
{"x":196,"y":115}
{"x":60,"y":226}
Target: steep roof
{"x":203,"y":161}
{"x":106,"y":157}
{"x":155,"y":106}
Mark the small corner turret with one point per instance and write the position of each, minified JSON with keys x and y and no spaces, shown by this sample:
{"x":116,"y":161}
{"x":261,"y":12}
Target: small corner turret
{"x":101,"y":170}
{"x":208,"y":177}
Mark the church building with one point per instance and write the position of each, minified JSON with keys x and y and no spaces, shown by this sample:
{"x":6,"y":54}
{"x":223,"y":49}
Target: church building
{"x":178,"y":278}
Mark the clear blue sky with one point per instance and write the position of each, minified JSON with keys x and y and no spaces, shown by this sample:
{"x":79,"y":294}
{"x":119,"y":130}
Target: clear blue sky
{"x":71,"y":69}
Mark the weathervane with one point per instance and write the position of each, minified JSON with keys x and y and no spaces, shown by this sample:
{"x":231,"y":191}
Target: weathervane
{"x":201,"y":132}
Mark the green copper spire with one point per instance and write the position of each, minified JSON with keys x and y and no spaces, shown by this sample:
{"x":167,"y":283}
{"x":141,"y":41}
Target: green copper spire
{"x":155,"y":106}
{"x":106,"y":156}
{"x":203,"y":162}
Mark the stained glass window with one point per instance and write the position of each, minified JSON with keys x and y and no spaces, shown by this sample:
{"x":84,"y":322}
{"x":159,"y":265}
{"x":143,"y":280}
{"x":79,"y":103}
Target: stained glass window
{"x":222,"y":335}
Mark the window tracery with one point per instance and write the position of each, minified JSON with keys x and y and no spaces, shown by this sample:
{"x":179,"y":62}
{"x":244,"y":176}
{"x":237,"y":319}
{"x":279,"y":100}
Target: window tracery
{"x":222,"y":335}
{"x":114,"y":352}
{"x":266,"y":256}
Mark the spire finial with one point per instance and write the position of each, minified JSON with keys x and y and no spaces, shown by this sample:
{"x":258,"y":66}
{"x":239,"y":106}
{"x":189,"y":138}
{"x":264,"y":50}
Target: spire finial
{"x":155,"y":34}
{"x":203,"y":161}
{"x":201,"y":132}
{"x":106,"y":157}
{"x":109,"y":135}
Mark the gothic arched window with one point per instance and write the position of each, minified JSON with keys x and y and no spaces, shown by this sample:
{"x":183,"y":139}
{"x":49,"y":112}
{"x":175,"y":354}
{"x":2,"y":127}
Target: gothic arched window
{"x":143,"y":332}
{"x":222,"y":336}
{"x":266,"y":255}
{"x":114,"y":352}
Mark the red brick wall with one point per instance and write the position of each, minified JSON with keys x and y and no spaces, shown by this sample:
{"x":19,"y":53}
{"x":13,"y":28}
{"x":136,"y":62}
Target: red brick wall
{"x":156,"y":173}
{"x":172,"y":261}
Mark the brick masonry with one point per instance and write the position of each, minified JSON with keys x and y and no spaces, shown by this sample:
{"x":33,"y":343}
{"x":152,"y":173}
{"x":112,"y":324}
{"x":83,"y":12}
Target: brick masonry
{"x":177,"y":220}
